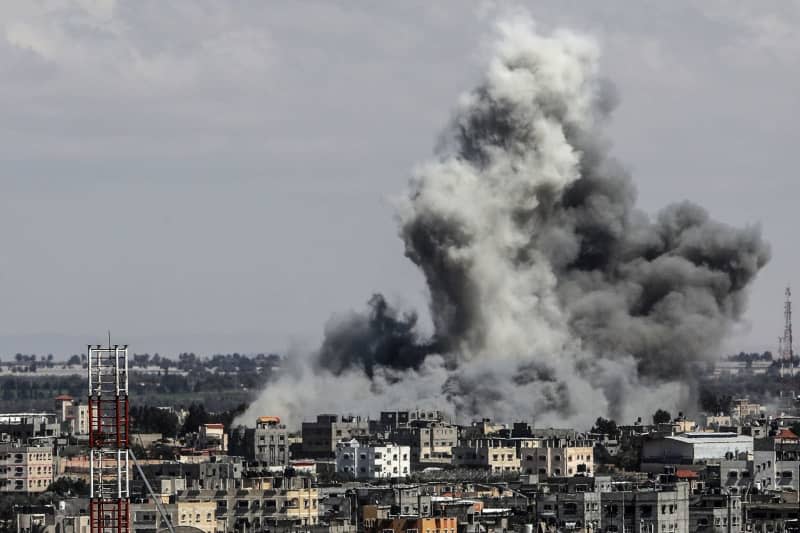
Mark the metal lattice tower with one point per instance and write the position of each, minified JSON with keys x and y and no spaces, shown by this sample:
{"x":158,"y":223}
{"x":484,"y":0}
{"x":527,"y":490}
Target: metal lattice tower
{"x":787,"y":354}
{"x":109,"y":505}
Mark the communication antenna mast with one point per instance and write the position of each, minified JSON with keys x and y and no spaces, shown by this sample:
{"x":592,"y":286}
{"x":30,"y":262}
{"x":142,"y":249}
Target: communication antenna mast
{"x":109,"y":504}
{"x":787,"y":353}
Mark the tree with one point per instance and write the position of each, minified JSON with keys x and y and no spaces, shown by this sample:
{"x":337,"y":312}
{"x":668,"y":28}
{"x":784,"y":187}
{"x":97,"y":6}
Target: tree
{"x":74,"y":360}
{"x":65,"y":486}
{"x":197,"y":417}
{"x":605,"y":427}
{"x":662,"y":417}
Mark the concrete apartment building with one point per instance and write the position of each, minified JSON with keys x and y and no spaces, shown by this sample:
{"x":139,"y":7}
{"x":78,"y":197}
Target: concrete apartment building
{"x":321,"y":436}
{"x":558,"y":458}
{"x":440,"y":524}
{"x":279,"y":503}
{"x":431,"y":443}
{"x":212,"y":437}
{"x":271,"y":442}
{"x":372,"y":462}
{"x":575,"y":511}
{"x":396,"y":499}
{"x":21,"y":427}
{"x":776,"y":462}
{"x":716,"y":513}
{"x":72,"y":416}
{"x":495,"y":455}
{"x":70,"y":516}
{"x":201,"y":515}
{"x":25,"y":469}
{"x":218,"y":473}
{"x":396,"y":419}
{"x":744,"y":409}
{"x":646,"y":511}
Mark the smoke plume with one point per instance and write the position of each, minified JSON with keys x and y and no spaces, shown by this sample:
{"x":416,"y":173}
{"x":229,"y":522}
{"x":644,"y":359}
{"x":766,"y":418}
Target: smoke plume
{"x":552,"y":297}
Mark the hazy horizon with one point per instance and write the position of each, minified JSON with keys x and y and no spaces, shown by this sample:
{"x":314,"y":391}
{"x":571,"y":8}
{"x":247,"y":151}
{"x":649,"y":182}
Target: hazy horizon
{"x":218,"y":178}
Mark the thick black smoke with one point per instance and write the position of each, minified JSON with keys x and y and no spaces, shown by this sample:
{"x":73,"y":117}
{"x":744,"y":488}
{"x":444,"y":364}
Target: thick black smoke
{"x":380,"y":338}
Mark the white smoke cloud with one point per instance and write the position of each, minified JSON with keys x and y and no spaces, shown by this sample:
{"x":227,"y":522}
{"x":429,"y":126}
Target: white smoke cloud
{"x":552,"y":298}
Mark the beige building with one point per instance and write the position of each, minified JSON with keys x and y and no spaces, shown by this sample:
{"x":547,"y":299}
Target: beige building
{"x":212,"y":437}
{"x":559,"y":458}
{"x":25,"y":468}
{"x":744,"y":409}
{"x":278,"y":504}
{"x":197,"y":514}
{"x":72,"y":415}
{"x":496,"y":455}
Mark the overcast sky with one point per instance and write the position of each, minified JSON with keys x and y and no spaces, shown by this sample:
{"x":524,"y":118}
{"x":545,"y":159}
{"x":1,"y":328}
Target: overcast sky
{"x":217,"y":176}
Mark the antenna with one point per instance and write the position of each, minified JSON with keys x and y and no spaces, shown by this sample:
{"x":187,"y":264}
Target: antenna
{"x":109,"y":429}
{"x":787,"y":353}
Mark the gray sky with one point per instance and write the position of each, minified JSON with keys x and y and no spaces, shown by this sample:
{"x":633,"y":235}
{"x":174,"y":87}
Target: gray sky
{"x":217,"y":176}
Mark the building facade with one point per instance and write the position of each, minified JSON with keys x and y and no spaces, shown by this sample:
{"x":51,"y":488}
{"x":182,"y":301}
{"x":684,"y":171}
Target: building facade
{"x":271,"y":442}
{"x":372,"y":462}
{"x":25,"y":469}
{"x":321,"y":436}
{"x":495,"y":455}
{"x":557,"y":458}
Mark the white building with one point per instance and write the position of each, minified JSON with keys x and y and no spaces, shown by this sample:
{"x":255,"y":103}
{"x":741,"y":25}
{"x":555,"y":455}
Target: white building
{"x":372,"y":462}
{"x":689,"y":448}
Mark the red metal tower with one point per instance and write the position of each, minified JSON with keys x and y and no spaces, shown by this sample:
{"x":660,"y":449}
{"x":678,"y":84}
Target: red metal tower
{"x":109,"y":505}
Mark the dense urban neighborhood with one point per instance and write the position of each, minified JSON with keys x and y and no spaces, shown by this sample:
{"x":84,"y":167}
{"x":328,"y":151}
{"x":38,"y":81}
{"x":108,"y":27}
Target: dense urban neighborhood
{"x":731,"y":467}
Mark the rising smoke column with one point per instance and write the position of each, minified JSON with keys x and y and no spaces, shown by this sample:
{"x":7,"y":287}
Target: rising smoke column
{"x":551,"y":295}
